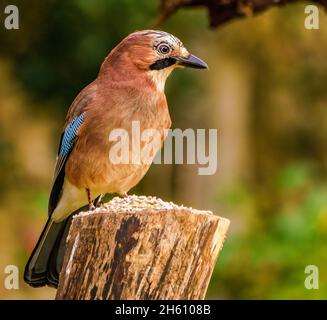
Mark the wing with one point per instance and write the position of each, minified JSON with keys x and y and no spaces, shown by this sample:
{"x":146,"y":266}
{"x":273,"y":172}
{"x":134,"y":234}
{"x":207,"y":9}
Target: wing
{"x":65,"y":147}
{"x":74,"y":120}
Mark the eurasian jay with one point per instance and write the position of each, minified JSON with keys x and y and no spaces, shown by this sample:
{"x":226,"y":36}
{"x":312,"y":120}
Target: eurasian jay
{"x":129,"y":87}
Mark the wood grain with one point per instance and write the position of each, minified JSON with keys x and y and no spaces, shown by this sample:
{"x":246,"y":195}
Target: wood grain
{"x":166,"y":253}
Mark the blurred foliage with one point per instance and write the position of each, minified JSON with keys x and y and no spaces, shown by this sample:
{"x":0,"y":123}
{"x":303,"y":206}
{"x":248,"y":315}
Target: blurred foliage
{"x":271,"y":181}
{"x":75,"y":33}
{"x":268,"y":262}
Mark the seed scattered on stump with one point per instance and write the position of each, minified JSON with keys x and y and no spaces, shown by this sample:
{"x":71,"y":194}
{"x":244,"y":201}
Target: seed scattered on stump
{"x":134,"y":203}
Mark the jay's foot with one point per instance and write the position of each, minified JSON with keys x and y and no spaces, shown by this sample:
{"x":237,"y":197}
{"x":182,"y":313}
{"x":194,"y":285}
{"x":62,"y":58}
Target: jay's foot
{"x":89,"y":199}
{"x":97,"y":202}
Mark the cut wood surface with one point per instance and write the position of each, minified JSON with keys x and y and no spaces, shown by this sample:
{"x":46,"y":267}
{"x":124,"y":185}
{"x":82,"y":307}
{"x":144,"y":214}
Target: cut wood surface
{"x":141,"y":248}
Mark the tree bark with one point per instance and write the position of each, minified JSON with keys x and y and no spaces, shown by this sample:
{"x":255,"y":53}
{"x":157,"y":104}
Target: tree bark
{"x":222,"y":11}
{"x":148,"y":250}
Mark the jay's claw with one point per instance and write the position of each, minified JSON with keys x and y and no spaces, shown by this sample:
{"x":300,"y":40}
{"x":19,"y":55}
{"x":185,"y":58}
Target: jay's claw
{"x":97,"y":201}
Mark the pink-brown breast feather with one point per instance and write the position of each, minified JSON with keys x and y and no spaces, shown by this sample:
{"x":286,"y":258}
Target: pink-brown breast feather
{"x":116,"y":105}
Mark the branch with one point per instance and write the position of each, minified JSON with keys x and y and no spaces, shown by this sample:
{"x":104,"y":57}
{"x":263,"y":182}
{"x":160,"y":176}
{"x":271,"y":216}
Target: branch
{"x":222,"y":11}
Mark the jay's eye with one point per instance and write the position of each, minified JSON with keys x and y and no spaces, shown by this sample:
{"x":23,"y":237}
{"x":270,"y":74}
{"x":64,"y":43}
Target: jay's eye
{"x":163,"y":48}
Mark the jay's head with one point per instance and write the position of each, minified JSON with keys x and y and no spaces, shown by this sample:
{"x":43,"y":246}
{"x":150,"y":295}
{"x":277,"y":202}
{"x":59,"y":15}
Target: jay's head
{"x":152,"y":53}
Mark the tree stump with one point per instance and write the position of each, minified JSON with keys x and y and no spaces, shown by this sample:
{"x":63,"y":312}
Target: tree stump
{"x":141,"y":248}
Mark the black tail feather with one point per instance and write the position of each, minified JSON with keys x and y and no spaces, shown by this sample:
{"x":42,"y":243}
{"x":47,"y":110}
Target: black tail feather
{"x":57,"y":255}
{"x":44,"y":265}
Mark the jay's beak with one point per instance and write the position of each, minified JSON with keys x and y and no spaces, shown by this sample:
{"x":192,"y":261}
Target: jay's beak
{"x":191,"y":61}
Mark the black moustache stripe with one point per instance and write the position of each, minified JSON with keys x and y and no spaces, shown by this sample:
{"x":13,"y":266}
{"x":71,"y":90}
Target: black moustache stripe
{"x":162,"y":64}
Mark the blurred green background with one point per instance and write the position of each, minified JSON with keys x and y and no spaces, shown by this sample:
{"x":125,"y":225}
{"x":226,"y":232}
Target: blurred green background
{"x":265,"y":92}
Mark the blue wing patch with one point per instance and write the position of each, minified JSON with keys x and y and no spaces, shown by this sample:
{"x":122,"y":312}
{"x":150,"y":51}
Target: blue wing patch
{"x":70,"y":135}
{"x":66,"y":145}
